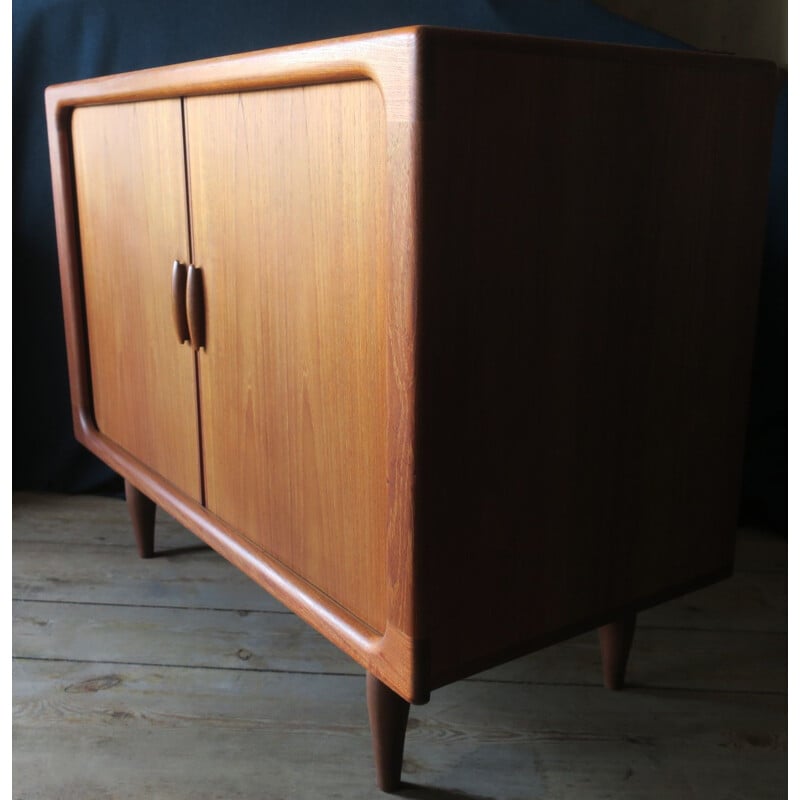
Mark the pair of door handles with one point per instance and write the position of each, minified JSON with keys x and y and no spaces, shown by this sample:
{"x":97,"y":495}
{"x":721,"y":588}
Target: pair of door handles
{"x":188,"y":304}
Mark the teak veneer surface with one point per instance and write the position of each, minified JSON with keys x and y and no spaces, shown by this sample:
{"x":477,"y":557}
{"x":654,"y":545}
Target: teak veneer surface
{"x":591,"y":243}
{"x":489,"y":301}
{"x":131,"y":199}
{"x":367,"y":608}
{"x":289,"y":218}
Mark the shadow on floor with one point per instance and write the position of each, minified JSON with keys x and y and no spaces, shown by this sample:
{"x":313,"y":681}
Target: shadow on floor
{"x":414,"y":791}
{"x":182,"y":551}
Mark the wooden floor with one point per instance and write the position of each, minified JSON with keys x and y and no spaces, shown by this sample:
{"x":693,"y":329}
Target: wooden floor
{"x":179,"y":678}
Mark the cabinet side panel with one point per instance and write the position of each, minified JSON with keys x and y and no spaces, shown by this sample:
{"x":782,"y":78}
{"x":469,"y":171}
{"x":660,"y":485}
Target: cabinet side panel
{"x":591,"y":253}
{"x":131,"y":196}
{"x":288,"y":196}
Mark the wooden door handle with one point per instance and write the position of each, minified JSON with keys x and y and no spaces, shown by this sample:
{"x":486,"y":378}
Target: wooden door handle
{"x":179,"y":301}
{"x":195,"y":305}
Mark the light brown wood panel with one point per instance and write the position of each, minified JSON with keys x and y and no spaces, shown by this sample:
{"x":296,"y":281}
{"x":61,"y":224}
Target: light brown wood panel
{"x":131,"y":194}
{"x":288,"y":204}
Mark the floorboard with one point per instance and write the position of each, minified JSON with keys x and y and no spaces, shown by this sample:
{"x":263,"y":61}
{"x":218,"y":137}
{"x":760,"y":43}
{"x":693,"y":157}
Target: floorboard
{"x":177,"y":678}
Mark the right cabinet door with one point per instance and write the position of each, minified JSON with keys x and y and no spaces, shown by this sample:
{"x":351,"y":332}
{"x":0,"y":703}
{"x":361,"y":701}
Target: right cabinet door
{"x":288,"y":213}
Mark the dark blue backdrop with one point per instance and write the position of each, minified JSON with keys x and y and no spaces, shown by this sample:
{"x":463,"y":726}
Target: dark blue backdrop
{"x":64,"y":40}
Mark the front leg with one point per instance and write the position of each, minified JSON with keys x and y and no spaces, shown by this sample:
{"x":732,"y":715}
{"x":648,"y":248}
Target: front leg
{"x":388,"y":716}
{"x":143,"y":516}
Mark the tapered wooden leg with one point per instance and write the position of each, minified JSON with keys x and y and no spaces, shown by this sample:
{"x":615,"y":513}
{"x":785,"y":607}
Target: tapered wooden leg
{"x":616,"y":639}
{"x":388,"y":716}
{"x":143,"y":516}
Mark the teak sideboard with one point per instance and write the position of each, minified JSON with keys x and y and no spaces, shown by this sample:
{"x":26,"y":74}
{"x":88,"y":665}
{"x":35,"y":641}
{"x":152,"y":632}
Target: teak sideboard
{"x":442,"y":337}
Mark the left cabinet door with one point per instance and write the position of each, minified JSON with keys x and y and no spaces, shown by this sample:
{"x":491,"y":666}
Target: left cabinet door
{"x":130,"y":184}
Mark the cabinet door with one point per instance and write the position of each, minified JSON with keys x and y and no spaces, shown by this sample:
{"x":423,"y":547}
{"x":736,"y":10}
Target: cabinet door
{"x":131,"y":194}
{"x":288,"y":200}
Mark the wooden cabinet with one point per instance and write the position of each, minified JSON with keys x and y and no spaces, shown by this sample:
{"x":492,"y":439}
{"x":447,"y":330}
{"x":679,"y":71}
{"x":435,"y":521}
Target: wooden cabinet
{"x":442,"y":337}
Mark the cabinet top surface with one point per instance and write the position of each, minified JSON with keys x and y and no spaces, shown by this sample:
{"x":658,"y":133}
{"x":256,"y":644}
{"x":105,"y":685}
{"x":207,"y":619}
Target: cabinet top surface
{"x":387,"y":57}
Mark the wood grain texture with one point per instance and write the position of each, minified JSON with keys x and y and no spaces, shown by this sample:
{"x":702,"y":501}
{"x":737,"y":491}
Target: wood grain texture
{"x":142,"y":511}
{"x":98,"y":530}
{"x":143,"y":628}
{"x":179,"y":310}
{"x":390,"y":60}
{"x":591,"y":250}
{"x":100,"y":722}
{"x":195,"y":307}
{"x":561,"y":336}
{"x":691,"y":723}
{"x":75,"y":592}
{"x":131,"y":202}
{"x":289,"y":209}
{"x":616,"y":639}
{"x":388,"y":717}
